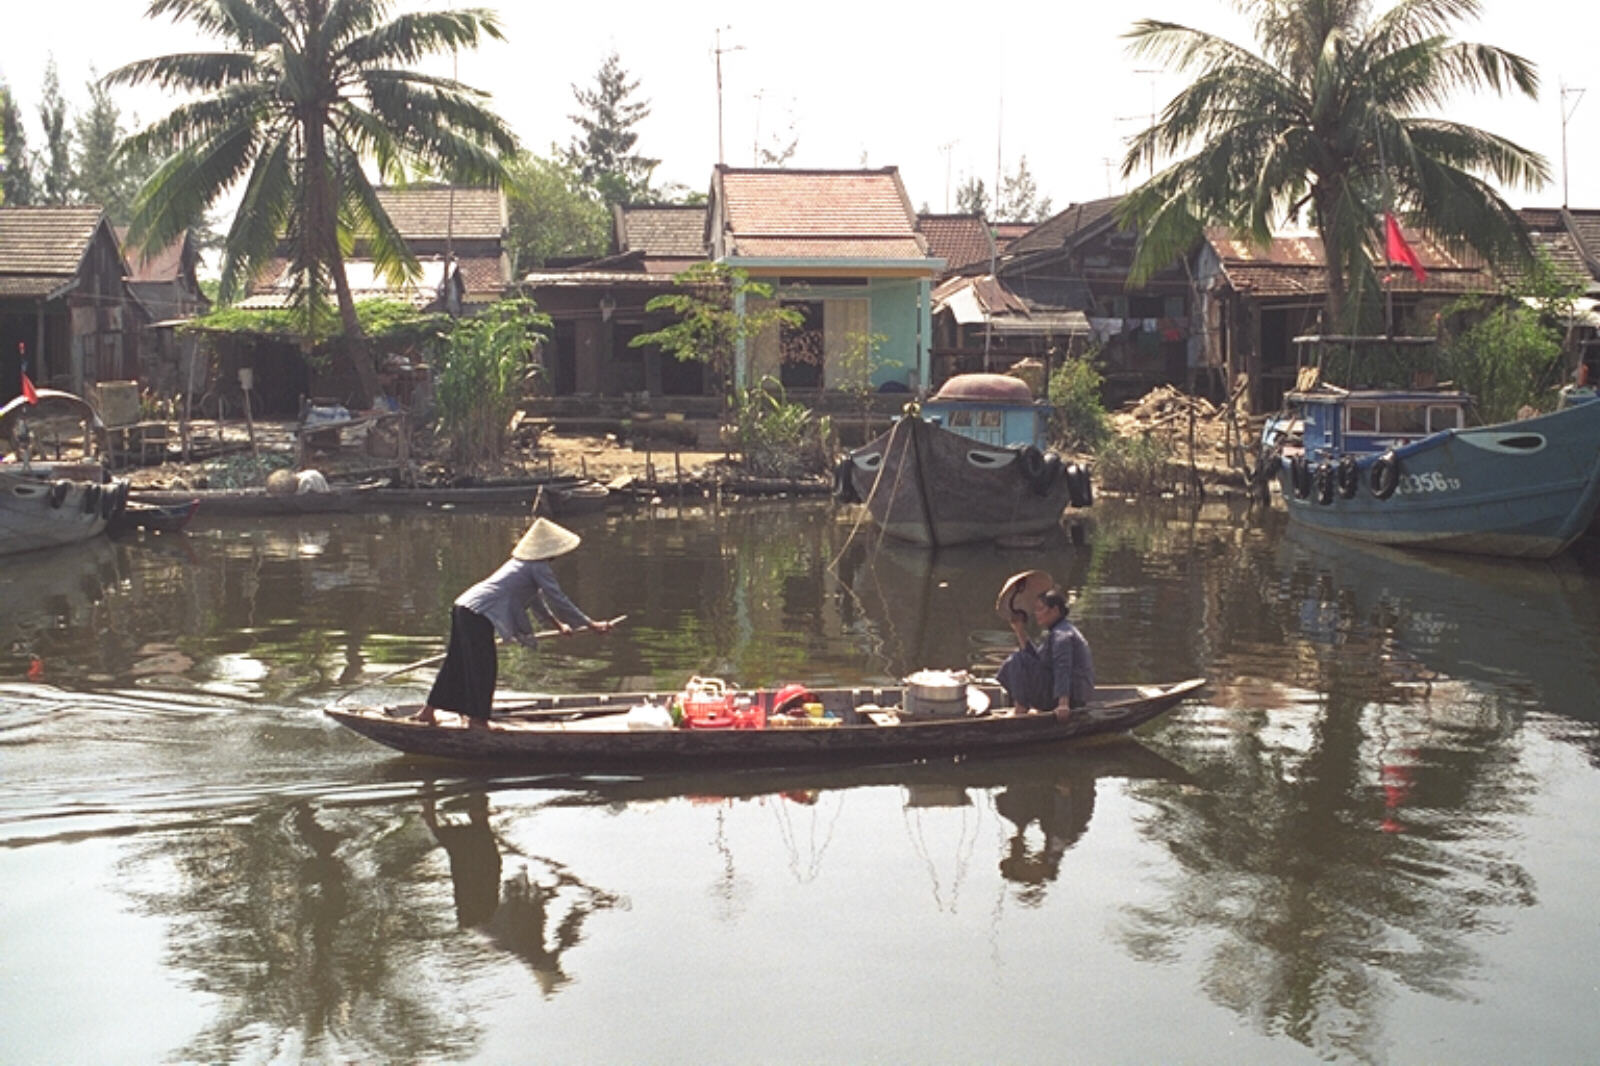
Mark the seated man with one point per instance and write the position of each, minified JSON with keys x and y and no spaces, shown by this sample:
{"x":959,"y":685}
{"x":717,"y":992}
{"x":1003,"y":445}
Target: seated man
{"x":1057,"y":674}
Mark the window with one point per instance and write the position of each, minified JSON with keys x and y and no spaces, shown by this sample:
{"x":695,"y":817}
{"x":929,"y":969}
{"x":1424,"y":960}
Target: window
{"x":1441,"y":416}
{"x":961,"y":418}
{"x":990,"y":419}
{"x":1408,"y":419}
{"x":800,"y":347}
{"x":1361,"y":418}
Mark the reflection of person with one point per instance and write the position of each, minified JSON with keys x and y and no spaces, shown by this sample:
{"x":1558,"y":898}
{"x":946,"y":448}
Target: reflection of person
{"x":1062,"y":810}
{"x":500,"y":604}
{"x":1057,"y":673}
{"x":474,"y":859}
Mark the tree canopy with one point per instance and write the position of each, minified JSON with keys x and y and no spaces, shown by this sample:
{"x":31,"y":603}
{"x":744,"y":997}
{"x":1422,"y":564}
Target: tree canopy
{"x":299,"y":99}
{"x":1334,"y":117}
{"x":603,"y":153}
{"x":552,"y":215}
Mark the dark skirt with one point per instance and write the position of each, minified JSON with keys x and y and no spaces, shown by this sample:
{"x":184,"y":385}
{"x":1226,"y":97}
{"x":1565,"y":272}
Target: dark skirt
{"x":471,"y":667}
{"x":1027,"y":679}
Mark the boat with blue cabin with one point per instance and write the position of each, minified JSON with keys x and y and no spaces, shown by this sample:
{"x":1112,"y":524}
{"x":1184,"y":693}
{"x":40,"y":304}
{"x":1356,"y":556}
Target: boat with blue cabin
{"x":1403,"y":467}
{"x":970,"y":464}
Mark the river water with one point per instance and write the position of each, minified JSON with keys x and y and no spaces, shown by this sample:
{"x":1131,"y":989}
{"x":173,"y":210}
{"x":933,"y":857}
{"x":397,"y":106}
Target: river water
{"x":1371,"y":841}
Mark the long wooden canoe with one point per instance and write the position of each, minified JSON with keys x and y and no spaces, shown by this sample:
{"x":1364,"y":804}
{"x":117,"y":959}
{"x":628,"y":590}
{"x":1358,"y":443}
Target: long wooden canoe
{"x":592,"y":732}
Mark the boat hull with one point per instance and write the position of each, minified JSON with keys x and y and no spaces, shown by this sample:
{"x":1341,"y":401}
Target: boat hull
{"x":544,"y":733}
{"x":1522,"y":489}
{"x":37,"y":513}
{"x":929,"y":486}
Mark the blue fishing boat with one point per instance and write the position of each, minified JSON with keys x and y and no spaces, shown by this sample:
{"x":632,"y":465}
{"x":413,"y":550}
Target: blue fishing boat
{"x":1402,"y":467}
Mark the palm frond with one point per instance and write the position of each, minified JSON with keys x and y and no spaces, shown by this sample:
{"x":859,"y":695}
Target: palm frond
{"x":263,"y":215}
{"x":188,"y":71}
{"x":415,"y":36}
{"x":177,"y":195}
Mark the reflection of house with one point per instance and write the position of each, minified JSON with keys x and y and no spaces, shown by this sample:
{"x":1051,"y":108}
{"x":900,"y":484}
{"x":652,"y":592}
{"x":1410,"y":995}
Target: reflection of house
{"x":841,"y":248}
{"x":63,"y":304}
{"x":1255,"y":301}
{"x":598,"y":307}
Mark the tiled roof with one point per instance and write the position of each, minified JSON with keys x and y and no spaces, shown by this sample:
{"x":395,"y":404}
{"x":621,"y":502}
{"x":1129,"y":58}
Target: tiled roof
{"x":1060,"y":229}
{"x":957,"y":239}
{"x":45,"y":241}
{"x":1585,"y":225}
{"x":1006,"y":233}
{"x":657,"y":230}
{"x":861,"y":214}
{"x":1292,"y":266}
{"x":421,"y":212}
{"x":481,"y":277}
{"x":1550,"y":235}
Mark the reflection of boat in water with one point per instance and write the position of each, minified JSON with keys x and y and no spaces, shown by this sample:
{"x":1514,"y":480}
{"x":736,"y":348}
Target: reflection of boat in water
{"x":968,"y":469}
{"x":592,"y":732}
{"x":1472,"y":619}
{"x":58,"y":588}
{"x":1397,"y":467}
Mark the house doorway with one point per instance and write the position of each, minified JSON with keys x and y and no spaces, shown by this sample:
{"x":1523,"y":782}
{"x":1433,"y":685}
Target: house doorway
{"x":800,"y":347}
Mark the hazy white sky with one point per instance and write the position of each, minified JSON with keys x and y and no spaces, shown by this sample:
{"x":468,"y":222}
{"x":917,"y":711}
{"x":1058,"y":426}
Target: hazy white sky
{"x":938,"y":89}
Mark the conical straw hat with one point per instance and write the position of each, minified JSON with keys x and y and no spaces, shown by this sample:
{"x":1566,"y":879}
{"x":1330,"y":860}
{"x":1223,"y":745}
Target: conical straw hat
{"x":1020,"y":592}
{"x":545,"y":540}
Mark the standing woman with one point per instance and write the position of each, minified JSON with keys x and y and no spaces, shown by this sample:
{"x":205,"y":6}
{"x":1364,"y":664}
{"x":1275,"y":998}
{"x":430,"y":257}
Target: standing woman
{"x":499,"y":604}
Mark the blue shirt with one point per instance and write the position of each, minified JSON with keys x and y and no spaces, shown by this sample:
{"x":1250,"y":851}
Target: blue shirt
{"x":521,"y":585}
{"x":1071,"y":665}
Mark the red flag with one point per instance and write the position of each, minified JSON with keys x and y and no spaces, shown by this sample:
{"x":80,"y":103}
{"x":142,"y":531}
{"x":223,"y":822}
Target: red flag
{"x":28,"y":392}
{"x":1398,"y":250}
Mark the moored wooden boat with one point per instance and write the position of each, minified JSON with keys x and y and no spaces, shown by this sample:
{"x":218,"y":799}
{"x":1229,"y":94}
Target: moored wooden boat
{"x":928,"y":485}
{"x":1399,"y":467}
{"x":593,"y":732}
{"x":154,"y":518}
{"x":563,"y":495}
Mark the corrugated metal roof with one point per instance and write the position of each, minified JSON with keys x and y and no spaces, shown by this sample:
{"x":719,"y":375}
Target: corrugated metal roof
{"x":45,"y":240}
{"x":163,"y":265}
{"x":365,"y":284}
{"x":577,"y":278}
{"x":1294,"y":266}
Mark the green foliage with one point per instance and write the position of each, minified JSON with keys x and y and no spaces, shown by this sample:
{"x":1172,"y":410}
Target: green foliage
{"x":1019,"y":196}
{"x":972,"y":198}
{"x":552,"y":214}
{"x":391,"y":323}
{"x":1506,"y":359}
{"x":482,"y":369}
{"x":295,"y":102}
{"x":1333,"y":113}
{"x":778,"y":438}
{"x":100,"y":174}
{"x":709,"y":327}
{"x":55,"y":185}
{"x":855,"y":365}
{"x":16,"y":183}
{"x":1137,"y":465}
{"x":602,"y":155}
{"x":1080,"y":422}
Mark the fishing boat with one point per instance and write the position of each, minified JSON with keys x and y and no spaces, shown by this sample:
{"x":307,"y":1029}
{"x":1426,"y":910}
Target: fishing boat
{"x":970,"y":465}
{"x":625,"y":731}
{"x":47,"y":503}
{"x":1402,"y":467}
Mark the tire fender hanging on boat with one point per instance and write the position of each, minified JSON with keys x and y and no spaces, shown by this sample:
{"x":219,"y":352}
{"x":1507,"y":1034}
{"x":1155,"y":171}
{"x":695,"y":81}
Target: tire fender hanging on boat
{"x":58,"y":492}
{"x":1080,"y":490}
{"x":1347,"y":477}
{"x":1300,"y":476}
{"x":844,"y":484}
{"x":1385,"y":476}
{"x":1324,"y":482}
{"x":91,"y":499}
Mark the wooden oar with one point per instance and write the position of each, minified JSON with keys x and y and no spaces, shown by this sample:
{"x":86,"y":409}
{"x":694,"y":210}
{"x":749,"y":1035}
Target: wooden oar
{"x":430,"y":660}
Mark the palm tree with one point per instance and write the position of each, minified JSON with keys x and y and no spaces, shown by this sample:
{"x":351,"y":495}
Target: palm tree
{"x":1326,"y":120}
{"x":308,"y":92}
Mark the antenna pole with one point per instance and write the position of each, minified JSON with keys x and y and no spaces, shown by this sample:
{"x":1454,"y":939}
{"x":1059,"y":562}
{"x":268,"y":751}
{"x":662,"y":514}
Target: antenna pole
{"x":717,"y":51}
{"x":1566,"y":116}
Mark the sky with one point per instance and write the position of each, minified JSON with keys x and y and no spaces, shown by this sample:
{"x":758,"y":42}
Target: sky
{"x":943,"y":92}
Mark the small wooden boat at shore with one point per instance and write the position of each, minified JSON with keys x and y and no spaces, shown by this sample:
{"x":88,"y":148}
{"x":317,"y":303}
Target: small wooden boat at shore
{"x":591,"y":733}
{"x":153,"y":517}
{"x":46,"y":503}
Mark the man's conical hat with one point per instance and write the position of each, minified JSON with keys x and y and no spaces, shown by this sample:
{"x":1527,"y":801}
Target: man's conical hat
{"x":1020,"y":592}
{"x":545,"y":540}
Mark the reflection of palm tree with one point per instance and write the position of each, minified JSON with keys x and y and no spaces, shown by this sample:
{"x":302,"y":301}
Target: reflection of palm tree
{"x":292,"y":921}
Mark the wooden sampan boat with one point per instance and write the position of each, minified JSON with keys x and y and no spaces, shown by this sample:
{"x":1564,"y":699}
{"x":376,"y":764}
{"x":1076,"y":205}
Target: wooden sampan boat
{"x":594,"y":732}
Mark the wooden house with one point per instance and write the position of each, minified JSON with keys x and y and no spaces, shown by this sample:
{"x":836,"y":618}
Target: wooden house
{"x":65,"y":310}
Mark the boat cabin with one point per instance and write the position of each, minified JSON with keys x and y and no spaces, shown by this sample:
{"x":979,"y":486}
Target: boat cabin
{"x":1337,"y":422}
{"x":992,"y":408}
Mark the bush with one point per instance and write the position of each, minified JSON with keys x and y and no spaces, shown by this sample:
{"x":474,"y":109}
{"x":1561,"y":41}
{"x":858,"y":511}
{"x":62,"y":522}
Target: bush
{"x":1136,"y":464}
{"x":1080,"y":422}
{"x":483,"y":367}
{"x":778,"y":438}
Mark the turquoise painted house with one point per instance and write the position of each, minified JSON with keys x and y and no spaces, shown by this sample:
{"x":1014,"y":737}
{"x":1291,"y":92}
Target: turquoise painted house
{"x":841,"y":248}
